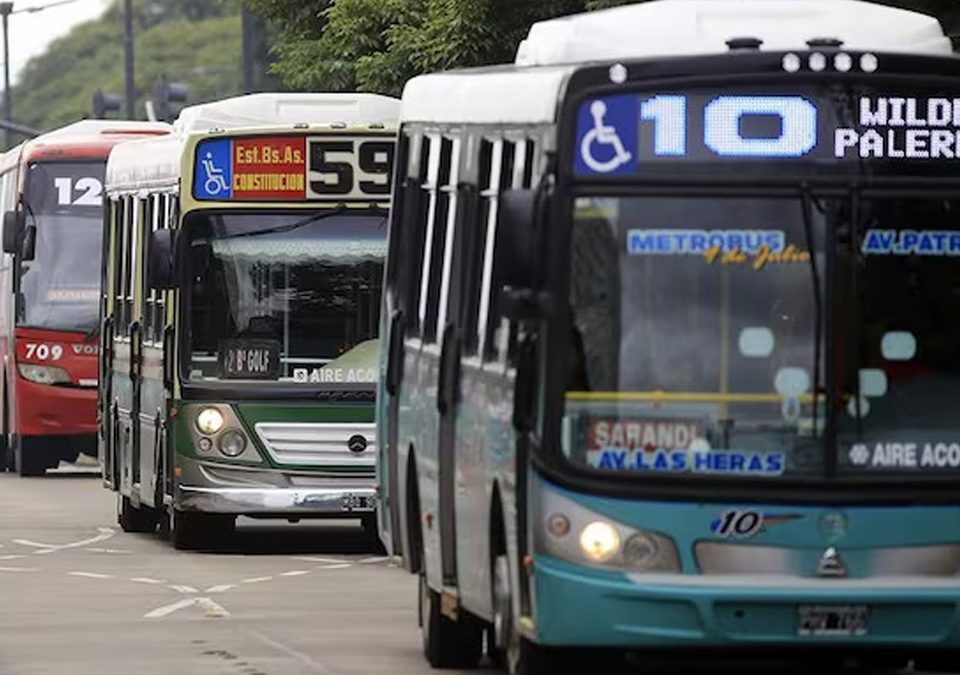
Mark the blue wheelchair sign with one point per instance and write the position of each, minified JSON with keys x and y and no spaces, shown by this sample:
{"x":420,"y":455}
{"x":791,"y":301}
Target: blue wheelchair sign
{"x":213,"y":172}
{"x":607,"y":136}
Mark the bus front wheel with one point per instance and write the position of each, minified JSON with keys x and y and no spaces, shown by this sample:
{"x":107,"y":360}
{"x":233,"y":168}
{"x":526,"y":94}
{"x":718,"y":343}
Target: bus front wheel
{"x":190,"y":530}
{"x":448,"y":643}
{"x":133,"y":519}
{"x":518,"y":655}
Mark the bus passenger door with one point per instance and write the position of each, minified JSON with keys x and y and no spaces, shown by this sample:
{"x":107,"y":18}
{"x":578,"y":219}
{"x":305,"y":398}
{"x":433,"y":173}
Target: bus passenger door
{"x":149,"y":379}
{"x":448,"y":379}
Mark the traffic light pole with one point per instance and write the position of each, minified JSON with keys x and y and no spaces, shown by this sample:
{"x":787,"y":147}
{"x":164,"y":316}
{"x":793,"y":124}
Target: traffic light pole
{"x":5,"y":9}
{"x":131,"y":94}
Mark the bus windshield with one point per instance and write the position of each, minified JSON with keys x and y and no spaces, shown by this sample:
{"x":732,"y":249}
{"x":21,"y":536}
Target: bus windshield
{"x":285,"y":296}
{"x":693,"y":343}
{"x":60,"y":286}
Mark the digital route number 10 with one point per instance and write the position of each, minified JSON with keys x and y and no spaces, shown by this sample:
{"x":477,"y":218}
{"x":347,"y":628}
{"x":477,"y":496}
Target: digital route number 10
{"x":722,"y":130}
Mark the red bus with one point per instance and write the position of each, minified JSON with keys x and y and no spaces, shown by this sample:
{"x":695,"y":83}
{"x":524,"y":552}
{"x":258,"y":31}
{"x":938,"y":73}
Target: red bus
{"x":51,"y":200}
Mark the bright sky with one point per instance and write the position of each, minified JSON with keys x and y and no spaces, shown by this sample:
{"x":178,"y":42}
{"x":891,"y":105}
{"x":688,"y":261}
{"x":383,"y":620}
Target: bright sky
{"x":32,"y":32}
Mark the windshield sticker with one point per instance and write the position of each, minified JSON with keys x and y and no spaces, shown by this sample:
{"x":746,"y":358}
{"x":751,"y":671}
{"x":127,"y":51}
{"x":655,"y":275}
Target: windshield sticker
{"x":671,"y":445}
{"x":328,"y":375}
{"x":73,"y":294}
{"x":701,"y":242}
{"x":911,"y":242}
{"x":757,"y":248}
{"x":899,"y":455}
{"x":249,"y":359}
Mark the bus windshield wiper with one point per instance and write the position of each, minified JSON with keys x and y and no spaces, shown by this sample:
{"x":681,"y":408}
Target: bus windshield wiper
{"x":340,"y":210}
{"x":817,"y":299}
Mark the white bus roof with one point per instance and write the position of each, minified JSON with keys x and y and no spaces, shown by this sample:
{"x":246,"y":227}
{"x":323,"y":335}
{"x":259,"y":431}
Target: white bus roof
{"x":261,"y":110}
{"x":677,"y":27}
{"x":104,"y":127}
{"x":528,"y":92}
{"x":145,"y":163}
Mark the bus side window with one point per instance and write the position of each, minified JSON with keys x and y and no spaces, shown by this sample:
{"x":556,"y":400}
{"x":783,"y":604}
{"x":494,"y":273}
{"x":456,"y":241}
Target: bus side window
{"x":154,"y":217}
{"x":477,"y":306}
{"x":135,"y":215}
{"x":119,"y":229}
{"x":490,"y":318}
{"x":438,"y":178}
{"x":415,"y":232}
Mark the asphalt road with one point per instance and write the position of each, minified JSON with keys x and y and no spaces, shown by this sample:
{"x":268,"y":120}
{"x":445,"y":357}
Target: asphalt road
{"x":80,"y":597}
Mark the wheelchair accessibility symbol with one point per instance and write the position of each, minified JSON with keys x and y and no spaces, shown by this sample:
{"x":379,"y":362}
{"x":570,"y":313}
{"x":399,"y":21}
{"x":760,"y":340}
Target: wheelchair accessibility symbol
{"x":215,"y":182}
{"x":603,"y":140}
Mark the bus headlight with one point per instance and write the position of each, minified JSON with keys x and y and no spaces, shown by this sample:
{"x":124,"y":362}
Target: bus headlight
{"x":232,"y":443}
{"x":43,"y":374}
{"x":599,"y":541}
{"x":209,"y":421}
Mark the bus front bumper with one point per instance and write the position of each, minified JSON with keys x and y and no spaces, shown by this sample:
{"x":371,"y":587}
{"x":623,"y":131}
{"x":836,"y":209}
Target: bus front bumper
{"x":580,"y":606}
{"x":214,"y":488}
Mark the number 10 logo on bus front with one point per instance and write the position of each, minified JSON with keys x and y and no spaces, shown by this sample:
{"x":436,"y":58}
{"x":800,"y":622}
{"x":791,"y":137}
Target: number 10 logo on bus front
{"x":617,"y":134}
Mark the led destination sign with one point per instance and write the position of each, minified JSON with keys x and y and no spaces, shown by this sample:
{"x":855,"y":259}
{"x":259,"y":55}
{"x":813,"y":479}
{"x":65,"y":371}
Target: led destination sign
{"x":294,"y":168}
{"x":624,"y":134}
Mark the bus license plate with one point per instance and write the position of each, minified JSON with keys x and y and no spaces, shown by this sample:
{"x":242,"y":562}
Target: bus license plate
{"x":356,"y":503}
{"x":831,"y":621}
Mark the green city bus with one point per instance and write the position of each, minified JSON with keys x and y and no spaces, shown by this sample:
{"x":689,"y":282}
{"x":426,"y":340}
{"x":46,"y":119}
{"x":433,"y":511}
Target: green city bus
{"x":243,"y":259}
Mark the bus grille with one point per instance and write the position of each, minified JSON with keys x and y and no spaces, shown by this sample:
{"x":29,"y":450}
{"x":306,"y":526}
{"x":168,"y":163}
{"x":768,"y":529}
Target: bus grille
{"x":328,"y":445}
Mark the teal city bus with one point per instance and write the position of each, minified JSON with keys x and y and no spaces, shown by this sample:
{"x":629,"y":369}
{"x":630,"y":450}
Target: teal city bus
{"x":243,"y":264}
{"x":670,"y":338}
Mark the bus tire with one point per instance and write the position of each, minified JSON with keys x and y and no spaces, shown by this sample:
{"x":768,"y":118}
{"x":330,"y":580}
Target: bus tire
{"x":448,"y":643}
{"x":516,"y":654}
{"x":133,"y":519}
{"x":191,"y":530}
{"x":30,"y":457}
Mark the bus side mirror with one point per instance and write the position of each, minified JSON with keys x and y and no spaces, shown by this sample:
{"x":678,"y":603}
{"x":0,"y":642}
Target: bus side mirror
{"x":11,"y":231}
{"x":160,"y":261}
{"x":515,"y":253}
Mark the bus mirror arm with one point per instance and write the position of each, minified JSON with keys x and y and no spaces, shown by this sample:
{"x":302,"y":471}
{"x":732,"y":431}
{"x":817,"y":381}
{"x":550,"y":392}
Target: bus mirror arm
{"x":525,"y":385}
{"x":29,"y":243}
{"x":524,"y":304}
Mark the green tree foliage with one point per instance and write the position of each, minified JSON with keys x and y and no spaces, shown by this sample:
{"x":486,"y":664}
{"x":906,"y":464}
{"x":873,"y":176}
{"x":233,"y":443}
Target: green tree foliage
{"x":197,"y":42}
{"x":377,"y":45}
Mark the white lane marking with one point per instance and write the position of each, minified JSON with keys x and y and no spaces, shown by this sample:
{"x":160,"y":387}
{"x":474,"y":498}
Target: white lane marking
{"x":373,"y":561}
{"x":90,"y":575}
{"x":290,"y":651}
{"x":147,"y":580}
{"x":257,"y":580}
{"x":329,"y":561}
{"x":111,"y":551}
{"x":19,"y":569}
{"x":105,"y":533}
{"x":211,"y":608}
{"x":334,"y":567}
{"x":161,"y":612}
{"x":183,"y":589}
{"x":294,"y":573}
{"x":220,"y":589}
